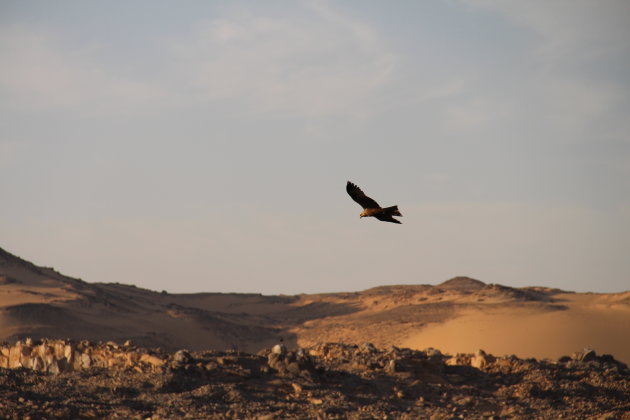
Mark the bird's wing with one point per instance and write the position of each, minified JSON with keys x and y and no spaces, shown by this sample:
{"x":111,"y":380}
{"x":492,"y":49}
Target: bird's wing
{"x":358,"y":196}
{"x":387,"y":218}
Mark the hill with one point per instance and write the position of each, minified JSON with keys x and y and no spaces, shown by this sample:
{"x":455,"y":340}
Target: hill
{"x":458,"y":315}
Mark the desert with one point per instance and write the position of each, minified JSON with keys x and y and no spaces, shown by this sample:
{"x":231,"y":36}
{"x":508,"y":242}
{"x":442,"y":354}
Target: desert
{"x":460,"y":315}
{"x":458,"y":349}
{"x":314,"y":209}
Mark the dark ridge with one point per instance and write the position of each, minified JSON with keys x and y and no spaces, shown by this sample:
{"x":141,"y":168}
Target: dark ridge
{"x":8,"y":259}
{"x":41,"y":313}
{"x":545,"y":290}
{"x":8,"y":280}
{"x":523,"y":295}
{"x":396,"y":289}
{"x":5,"y":254}
{"x":462,"y":283}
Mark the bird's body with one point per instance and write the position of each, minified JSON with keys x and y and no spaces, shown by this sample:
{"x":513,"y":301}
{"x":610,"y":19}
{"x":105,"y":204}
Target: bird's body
{"x":371,"y":207}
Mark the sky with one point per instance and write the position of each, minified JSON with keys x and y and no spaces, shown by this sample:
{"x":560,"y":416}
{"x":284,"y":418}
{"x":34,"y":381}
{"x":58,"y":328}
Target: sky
{"x":205,"y":146}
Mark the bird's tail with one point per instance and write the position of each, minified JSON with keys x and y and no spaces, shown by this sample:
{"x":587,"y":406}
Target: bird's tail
{"x":392,"y":211}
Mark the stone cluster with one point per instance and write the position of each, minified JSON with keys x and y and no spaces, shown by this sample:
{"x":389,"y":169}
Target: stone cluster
{"x":63,"y":379}
{"x":295,"y":362}
{"x":55,"y":356}
{"x":478,"y":360}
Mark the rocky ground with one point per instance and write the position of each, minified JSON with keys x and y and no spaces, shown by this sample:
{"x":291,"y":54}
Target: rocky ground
{"x":70,"y":380}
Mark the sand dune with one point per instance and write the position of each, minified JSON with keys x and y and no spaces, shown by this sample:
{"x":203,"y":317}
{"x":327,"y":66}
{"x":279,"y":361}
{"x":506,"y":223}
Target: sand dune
{"x":530,"y":333}
{"x":459,"y":315}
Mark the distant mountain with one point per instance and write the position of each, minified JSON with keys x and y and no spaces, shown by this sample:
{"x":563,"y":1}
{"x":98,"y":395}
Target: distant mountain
{"x":462,"y":284}
{"x":39,"y":302}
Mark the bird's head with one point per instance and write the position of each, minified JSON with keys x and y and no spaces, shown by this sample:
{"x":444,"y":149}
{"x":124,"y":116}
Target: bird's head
{"x":363,"y":214}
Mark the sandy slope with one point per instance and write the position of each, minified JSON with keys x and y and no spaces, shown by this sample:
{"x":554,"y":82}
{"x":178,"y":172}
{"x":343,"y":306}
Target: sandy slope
{"x":460,"y":315}
{"x":588,"y":321}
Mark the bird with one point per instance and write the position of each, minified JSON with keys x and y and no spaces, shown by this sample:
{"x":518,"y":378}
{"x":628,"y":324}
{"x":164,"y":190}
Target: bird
{"x":371,"y":207}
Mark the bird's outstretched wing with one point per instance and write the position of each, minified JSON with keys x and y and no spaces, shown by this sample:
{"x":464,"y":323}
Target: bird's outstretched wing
{"x":358,"y":196}
{"x":387,"y":218}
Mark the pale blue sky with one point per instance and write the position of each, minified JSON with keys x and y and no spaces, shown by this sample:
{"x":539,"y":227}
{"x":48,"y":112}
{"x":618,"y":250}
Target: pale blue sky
{"x":205,"y":146}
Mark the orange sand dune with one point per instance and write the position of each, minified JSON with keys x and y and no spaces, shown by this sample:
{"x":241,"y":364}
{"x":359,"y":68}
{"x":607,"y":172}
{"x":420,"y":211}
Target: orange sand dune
{"x":586,"y":323}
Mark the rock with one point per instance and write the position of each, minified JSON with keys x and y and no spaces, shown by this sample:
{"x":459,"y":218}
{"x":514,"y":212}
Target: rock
{"x":589,"y":355}
{"x":481,"y":360}
{"x":293,"y":368}
{"x":15,"y":354}
{"x":391,"y":366}
{"x":315,"y":352}
{"x":132,"y":358}
{"x":86,"y":361}
{"x":608,"y":416}
{"x":564,"y":359}
{"x":586,"y":355}
{"x":38,"y":364}
{"x":76,"y":360}
{"x":368,"y":347}
{"x":54,"y":368}
{"x":180,"y":358}
{"x":151,"y":360}
{"x":297,"y":388}
{"x":26,"y":362}
{"x":68,"y":351}
{"x":295,"y":363}
{"x":59,"y":349}
{"x":459,"y":360}
{"x":279,"y":349}
{"x":275,"y":361}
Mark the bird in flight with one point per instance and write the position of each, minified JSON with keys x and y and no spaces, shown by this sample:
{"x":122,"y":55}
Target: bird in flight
{"x":371,"y":207}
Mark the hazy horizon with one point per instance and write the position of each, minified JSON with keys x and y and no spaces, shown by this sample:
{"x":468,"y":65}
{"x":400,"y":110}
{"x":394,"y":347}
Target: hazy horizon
{"x":205,"y":147}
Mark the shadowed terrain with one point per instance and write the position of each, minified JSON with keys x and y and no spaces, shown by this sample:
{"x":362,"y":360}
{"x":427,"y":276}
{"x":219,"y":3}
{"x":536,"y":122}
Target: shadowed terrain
{"x":64,"y":379}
